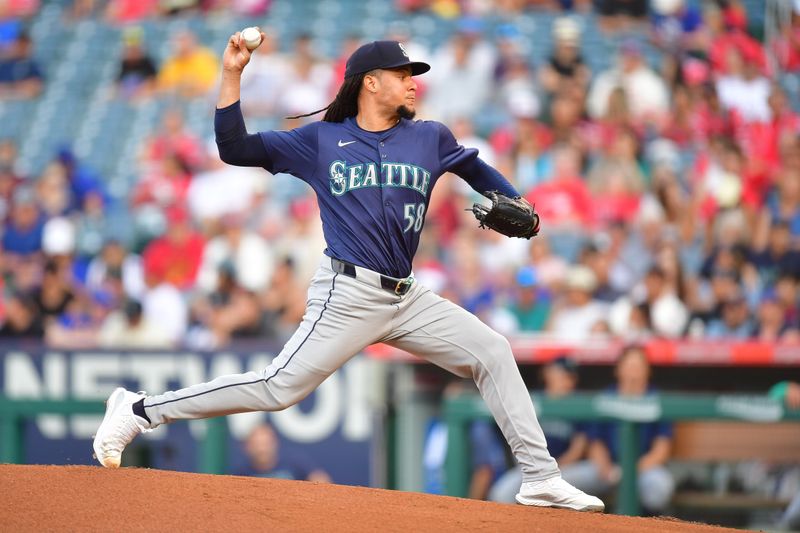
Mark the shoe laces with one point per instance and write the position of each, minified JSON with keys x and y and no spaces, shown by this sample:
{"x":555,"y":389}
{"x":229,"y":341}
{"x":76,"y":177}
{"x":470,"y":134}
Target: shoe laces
{"x":123,"y":433}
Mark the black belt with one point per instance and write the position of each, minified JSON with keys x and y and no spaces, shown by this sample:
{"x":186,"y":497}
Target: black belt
{"x":398,"y":286}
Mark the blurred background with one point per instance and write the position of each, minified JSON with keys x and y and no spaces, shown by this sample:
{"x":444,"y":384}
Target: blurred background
{"x":657,"y":138}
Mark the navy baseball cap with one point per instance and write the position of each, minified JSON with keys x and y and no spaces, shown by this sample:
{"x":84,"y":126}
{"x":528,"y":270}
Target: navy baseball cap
{"x":382,"y":54}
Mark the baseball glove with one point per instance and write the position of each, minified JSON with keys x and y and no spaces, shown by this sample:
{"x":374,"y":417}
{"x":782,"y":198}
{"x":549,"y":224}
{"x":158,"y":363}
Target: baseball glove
{"x":514,"y":217}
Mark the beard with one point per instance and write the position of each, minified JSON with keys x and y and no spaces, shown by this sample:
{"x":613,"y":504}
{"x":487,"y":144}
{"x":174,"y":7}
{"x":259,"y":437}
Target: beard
{"x":406,"y":113}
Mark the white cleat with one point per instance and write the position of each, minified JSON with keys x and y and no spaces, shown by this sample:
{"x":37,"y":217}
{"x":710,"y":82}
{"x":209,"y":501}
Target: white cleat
{"x":119,"y":427}
{"x":555,"y":492}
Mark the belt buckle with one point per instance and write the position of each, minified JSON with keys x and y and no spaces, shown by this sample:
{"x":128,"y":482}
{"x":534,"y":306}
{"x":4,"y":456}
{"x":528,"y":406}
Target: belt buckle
{"x":403,"y":285}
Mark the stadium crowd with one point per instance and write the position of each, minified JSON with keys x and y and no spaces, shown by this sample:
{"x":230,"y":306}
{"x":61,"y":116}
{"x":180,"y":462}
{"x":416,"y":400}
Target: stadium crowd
{"x":669,"y":192}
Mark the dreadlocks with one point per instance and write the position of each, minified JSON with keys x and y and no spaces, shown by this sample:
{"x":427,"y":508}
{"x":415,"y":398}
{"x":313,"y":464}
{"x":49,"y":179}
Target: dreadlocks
{"x":346,"y":102}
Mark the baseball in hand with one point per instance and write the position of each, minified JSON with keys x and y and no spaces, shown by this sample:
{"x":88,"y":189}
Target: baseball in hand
{"x":251,"y":37}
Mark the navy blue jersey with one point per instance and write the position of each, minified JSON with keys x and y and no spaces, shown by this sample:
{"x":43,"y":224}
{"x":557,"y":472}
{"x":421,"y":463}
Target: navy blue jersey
{"x":373,"y":188}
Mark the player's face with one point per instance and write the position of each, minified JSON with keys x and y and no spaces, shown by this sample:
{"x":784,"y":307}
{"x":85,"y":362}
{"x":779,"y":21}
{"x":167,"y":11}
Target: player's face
{"x":398,"y":91}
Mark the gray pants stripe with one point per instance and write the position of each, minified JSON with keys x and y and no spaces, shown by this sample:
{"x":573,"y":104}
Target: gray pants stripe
{"x":324,"y":307}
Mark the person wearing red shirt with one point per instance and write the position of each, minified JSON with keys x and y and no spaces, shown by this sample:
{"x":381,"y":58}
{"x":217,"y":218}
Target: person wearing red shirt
{"x":175,"y":257}
{"x":564,"y":201}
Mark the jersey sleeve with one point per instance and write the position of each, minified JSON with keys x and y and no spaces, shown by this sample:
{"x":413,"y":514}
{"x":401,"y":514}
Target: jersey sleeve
{"x":453,"y":156}
{"x":293,"y":151}
{"x":466,"y":164}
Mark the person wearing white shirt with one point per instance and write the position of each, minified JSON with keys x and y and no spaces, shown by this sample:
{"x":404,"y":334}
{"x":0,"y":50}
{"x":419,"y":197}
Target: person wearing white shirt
{"x":647,"y":93}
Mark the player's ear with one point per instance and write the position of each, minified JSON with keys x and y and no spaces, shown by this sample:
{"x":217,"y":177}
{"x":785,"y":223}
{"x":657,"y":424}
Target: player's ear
{"x":371,"y":81}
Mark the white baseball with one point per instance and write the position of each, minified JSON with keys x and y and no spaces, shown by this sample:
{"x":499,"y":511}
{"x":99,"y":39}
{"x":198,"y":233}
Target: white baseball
{"x":251,"y":37}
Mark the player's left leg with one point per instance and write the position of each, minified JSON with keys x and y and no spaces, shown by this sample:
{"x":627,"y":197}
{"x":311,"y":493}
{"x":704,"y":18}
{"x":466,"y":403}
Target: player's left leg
{"x":448,"y":336}
{"x":343,"y":315}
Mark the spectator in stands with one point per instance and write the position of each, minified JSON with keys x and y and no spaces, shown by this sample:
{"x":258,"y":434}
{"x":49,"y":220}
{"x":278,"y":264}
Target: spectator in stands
{"x":578,"y":316}
{"x":91,"y":228}
{"x":743,"y":89}
{"x":728,"y":31}
{"x":651,"y":100}
{"x":267,"y":457}
{"x":308,"y":80}
{"x":164,"y":185}
{"x":229,"y":311}
{"x":78,"y":326}
{"x":114,"y":260}
{"x":175,"y":257}
{"x":282,"y":303}
{"x":246,"y":251}
{"x":782,"y":205}
{"x":173,"y":138}
{"x":20,"y":75}
{"x":616,"y":180}
{"x":518,"y":84}
{"x":137,"y":72}
{"x":530,"y":303}
{"x":192,"y":70}
{"x":550,"y":268}
{"x":523,"y":148}
{"x":129,"y":329}
{"x":677,"y":27}
{"x":659,"y":311}
{"x":565,"y":67}
{"x":786,"y":46}
{"x":55,"y":293}
{"x":779,"y":257}
{"x":163,"y":304}
{"x":221,"y":189}
{"x":602,"y":472}
{"x":302,"y":240}
{"x":82,"y":179}
{"x":53,"y":194}
{"x":463,"y":66}
{"x":735,"y":321}
{"x":772,"y":325}
{"x":10,"y":178}
{"x":564,"y":199}
{"x":21,"y":318}
{"x":23,"y":231}
{"x":566,"y":440}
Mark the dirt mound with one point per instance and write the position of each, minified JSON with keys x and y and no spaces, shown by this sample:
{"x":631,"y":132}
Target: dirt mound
{"x":85,"y":498}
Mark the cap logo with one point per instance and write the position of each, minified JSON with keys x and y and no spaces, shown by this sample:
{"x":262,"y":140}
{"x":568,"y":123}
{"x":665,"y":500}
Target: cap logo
{"x":403,"y":49}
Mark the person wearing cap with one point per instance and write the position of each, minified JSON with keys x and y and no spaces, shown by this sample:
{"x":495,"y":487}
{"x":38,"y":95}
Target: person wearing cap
{"x":565,"y":65}
{"x":579,"y":313}
{"x":531,"y":305}
{"x":137,"y":71}
{"x":372,"y":168}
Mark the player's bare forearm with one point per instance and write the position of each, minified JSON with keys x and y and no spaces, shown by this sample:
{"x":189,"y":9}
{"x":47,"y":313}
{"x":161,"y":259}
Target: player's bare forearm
{"x":230,"y":89}
{"x":234,"y":59}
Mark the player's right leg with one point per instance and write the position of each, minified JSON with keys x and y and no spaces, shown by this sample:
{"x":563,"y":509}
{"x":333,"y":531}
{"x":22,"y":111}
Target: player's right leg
{"x":342,"y":316}
{"x":447,"y":335}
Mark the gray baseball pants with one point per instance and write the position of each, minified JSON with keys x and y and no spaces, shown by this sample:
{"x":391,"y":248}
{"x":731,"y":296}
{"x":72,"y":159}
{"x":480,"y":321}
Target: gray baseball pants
{"x":343,"y":316}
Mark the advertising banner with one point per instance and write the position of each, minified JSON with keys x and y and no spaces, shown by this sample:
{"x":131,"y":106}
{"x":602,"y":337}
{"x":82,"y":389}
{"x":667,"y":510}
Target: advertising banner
{"x":330,"y":429}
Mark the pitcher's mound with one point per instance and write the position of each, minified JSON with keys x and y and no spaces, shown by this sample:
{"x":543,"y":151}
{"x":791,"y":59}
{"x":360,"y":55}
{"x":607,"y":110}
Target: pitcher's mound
{"x":85,"y":498}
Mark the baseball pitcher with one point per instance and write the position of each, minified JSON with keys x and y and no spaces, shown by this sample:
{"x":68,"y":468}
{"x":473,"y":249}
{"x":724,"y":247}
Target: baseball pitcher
{"x":372,"y":168}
